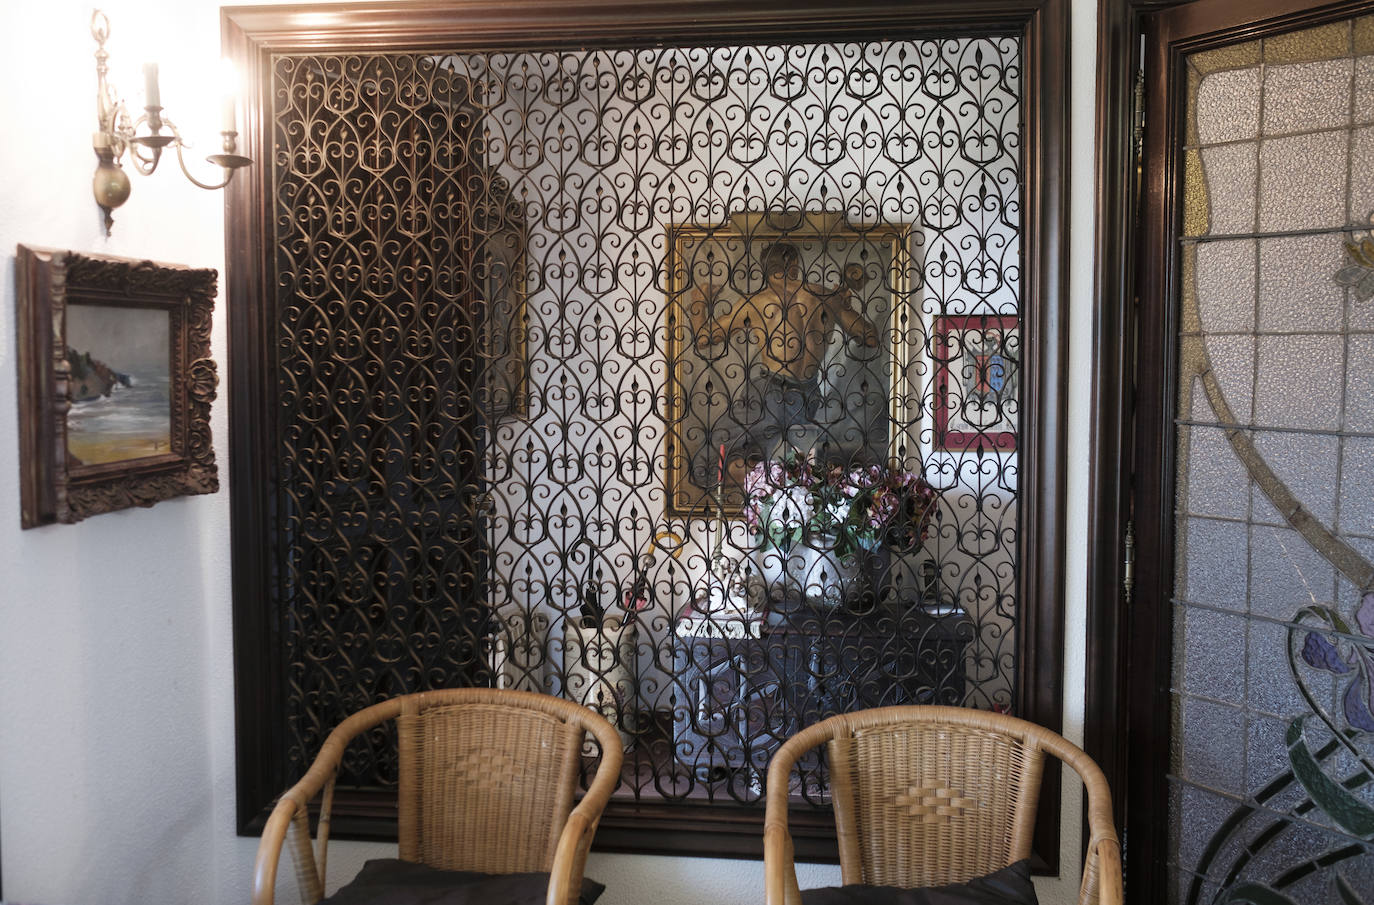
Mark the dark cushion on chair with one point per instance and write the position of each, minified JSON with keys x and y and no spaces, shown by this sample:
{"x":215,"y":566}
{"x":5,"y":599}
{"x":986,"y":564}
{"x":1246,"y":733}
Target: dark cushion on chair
{"x":388,"y":881}
{"x":1009,"y":886}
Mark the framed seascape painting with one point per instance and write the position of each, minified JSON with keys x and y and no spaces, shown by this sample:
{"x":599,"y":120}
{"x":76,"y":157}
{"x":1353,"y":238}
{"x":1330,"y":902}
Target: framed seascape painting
{"x":115,"y":383}
{"x":783,"y":340}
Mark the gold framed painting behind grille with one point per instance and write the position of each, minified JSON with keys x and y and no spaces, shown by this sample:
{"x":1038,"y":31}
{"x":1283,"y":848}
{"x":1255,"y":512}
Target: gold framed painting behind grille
{"x":787,"y":333}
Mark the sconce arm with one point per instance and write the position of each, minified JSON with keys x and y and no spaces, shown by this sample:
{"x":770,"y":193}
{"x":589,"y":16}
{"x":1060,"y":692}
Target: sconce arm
{"x":181,"y":159}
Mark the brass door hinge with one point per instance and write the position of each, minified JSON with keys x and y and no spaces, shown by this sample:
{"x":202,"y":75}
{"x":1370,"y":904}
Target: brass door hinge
{"x":1138,"y":104}
{"x":1138,"y":124}
{"x":1128,"y":567}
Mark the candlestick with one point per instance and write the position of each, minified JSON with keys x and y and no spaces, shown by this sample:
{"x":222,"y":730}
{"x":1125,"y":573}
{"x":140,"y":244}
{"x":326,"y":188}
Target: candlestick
{"x":718,"y":544}
{"x":718,"y":496}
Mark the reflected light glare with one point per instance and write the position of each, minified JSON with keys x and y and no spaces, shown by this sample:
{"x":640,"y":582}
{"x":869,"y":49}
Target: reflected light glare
{"x":228,"y":77}
{"x":229,"y":94}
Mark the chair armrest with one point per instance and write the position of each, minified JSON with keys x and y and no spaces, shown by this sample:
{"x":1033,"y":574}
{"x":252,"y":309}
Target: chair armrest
{"x":779,"y":870}
{"x":1109,"y":880}
{"x":269,"y":851}
{"x":575,"y":840}
{"x":570,"y":860}
{"x":291,"y":815}
{"x":290,"y":820}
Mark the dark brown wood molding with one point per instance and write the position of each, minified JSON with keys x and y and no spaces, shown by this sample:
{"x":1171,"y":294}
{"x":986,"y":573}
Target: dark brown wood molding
{"x":1119,"y":29}
{"x":1199,"y":25}
{"x":258,"y":704}
{"x":251,"y":35}
{"x":418,"y":24}
{"x":1108,"y":477}
{"x":1040,"y":674}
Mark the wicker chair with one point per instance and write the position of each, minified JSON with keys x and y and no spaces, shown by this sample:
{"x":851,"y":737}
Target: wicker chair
{"x":457,"y":806}
{"x":926,"y":796}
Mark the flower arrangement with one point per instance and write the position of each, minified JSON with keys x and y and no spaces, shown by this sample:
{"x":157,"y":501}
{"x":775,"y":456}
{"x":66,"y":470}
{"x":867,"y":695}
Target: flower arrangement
{"x":789,"y":501}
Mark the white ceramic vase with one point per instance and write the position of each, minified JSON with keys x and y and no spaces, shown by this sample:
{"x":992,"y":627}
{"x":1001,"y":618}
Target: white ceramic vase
{"x":815,"y":573}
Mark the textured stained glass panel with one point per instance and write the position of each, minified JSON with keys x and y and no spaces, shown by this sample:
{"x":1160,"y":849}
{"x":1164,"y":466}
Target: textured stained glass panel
{"x":1273,"y":786}
{"x":1216,"y":481}
{"x":1234,"y":95}
{"x":1307,"y":465}
{"x":1298,"y":381}
{"x":1307,"y":96}
{"x":1303,"y":181}
{"x":1297,"y":293}
{"x":1225,"y":285}
{"x":1230,"y":172}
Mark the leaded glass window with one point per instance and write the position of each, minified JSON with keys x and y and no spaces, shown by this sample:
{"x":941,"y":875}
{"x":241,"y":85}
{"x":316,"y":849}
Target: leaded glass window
{"x":1275,"y":591}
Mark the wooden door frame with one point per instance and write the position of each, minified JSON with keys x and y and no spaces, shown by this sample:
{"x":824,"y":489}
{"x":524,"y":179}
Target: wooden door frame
{"x":1113,"y":638}
{"x":1129,"y":661}
{"x":251,"y":34}
{"x":1120,"y":25}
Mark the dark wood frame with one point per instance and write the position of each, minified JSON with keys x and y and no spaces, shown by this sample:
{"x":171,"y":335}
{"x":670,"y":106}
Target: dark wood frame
{"x":959,"y":441}
{"x":1110,"y":671}
{"x":1129,"y":662}
{"x":252,"y":34}
{"x":53,"y":486}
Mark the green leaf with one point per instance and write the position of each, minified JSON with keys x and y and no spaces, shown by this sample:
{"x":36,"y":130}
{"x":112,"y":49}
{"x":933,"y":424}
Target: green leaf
{"x":1351,"y":274}
{"x":1332,"y":617}
{"x":1350,"y":814}
{"x":1347,"y":894}
{"x":1254,"y":894}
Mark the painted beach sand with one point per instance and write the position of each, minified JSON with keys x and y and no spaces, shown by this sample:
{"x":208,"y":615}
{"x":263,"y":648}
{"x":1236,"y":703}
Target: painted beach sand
{"x":120,"y":382}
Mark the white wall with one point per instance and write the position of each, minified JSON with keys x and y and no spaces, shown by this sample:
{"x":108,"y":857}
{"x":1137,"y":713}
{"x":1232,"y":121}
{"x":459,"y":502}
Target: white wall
{"x":116,"y":679}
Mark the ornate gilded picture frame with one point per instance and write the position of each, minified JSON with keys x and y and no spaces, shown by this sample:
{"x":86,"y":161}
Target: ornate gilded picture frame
{"x":730,"y":401}
{"x":115,"y":384}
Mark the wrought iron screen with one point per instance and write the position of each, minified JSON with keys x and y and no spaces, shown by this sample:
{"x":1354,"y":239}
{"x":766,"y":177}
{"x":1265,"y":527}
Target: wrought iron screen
{"x":683,"y":382}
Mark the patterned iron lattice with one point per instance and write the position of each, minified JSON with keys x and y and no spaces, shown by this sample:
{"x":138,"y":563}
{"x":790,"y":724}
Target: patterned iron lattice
{"x":681,"y":382}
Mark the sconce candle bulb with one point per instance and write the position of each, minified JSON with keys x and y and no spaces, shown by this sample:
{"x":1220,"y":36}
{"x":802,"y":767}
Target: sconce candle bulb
{"x":151,"y":96}
{"x":119,"y":133}
{"x":228,"y":97}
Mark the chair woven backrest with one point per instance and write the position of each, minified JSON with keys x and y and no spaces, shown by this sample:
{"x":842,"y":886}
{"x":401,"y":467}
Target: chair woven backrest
{"x":928,"y":803}
{"x":484,"y":787}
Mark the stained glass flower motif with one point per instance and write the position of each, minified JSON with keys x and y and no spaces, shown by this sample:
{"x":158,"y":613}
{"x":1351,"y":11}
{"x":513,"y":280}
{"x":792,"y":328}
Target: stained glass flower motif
{"x":1349,"y":653}
{"x":1359,"y":274}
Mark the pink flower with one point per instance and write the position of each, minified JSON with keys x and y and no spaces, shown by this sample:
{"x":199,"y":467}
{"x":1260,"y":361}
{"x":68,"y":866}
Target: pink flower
{"x":858,"y":506}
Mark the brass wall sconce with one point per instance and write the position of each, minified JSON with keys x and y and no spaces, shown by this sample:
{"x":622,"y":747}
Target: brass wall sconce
{"x":119,"y":133}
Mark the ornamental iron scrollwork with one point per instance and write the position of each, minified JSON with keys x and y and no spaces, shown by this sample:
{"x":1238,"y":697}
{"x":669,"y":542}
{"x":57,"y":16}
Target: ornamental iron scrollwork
{"x":547,"y":324}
